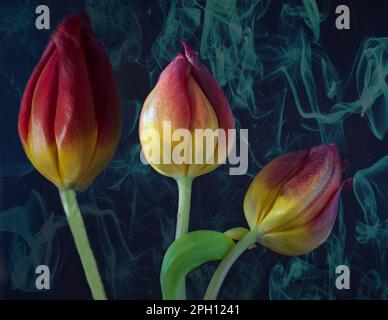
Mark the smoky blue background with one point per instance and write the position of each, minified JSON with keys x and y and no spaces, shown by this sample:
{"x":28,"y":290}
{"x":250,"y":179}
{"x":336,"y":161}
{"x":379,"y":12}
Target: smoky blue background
{"x":291,"y":78}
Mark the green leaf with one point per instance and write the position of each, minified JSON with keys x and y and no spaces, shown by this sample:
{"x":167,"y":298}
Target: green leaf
{"x":188,"y":253}
{"x":237,"y":233}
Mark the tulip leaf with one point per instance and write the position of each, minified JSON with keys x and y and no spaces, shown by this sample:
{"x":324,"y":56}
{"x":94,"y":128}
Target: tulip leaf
{"x":188,"y":253}
{"x":237,"y":234}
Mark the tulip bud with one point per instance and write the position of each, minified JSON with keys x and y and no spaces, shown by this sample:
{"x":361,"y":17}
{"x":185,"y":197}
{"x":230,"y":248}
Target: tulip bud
{"x":70,"y":117}
{"x":292,"y":202}
{"x":186,"y":96}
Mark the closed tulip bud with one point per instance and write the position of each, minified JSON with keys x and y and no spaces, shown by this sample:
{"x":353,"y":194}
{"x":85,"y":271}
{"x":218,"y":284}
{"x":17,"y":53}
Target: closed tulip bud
{"x":70,"y":118}
{"x":292,"y":202}
{"x":186,"y":96}
{"x":290,"y":206}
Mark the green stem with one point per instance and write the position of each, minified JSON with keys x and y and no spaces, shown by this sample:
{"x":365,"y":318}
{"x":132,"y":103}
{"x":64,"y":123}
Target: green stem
{"x":77,"y":227}
{"x":183,"y":219}
{"x":226,"y":263}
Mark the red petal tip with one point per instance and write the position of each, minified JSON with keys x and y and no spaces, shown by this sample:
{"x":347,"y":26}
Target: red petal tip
{"x":80,"y":19}
{"x":190,"y":54}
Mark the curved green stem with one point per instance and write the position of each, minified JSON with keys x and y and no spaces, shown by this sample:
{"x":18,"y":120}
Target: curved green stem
{"x":77,"y":227}
{"x":183,"y":217}
{"x":226,"y":263}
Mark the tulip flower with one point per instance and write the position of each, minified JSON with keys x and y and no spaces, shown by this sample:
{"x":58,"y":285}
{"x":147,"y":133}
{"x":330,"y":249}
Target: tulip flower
{"x":186,"y":101}
{"x":290,"y":206}
{"x":70,"y":121}
{"x":70,"y":118}
{"x":186,"y":97}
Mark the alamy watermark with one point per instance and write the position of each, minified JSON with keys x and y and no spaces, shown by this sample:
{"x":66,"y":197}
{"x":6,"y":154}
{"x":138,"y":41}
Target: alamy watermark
{"x":202,"y":146}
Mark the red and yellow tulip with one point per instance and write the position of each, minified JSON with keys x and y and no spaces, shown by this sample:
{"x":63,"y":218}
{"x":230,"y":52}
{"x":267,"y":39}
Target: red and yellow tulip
{"x":292,"y":202}
{"x":290,"y":206}
{"x":70,"y":118}
{"x":188,"y":97}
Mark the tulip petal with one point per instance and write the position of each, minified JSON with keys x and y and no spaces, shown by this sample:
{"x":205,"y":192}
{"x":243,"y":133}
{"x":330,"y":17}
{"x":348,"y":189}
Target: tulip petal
{"x":320,"y":201}
{"x":106,"y":104}
{"x":299,"y":241}
{"x":167,"y":102}
{"x":26,"y":105}
{"x":264,"y":188}
{"x":301,"y":189}
{"x":211,"y":89}
{"x":75,"y":121}
{"x":203,"y":117}
{"x":41,"y":147}
{"x":217,"y":99}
